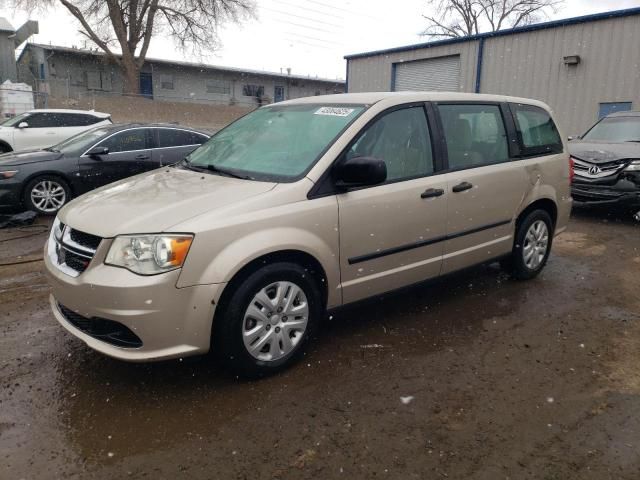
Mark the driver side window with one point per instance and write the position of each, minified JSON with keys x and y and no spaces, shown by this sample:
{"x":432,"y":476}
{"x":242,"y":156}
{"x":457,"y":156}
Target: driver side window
{"x":401,"y":138}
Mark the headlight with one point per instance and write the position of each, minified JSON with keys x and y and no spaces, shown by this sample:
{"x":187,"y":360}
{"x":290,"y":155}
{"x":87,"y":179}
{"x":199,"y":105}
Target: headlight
{"x":8,"y":174}
{"x":633,"y":166}
{"x":149,"y":254}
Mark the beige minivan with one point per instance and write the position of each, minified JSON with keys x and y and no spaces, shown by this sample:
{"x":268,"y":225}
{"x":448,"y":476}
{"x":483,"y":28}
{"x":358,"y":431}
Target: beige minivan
{"x":304,"y":206}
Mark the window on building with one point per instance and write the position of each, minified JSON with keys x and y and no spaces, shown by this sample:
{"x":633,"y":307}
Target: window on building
{"x":475,"y":135}
{"x":607,"y":108}
{"x":98,"y":80}
{"x":221,"y":87}
{"x":400,"y":138}
{"x":536,"y":131}
{"x":166,"y":82}
{"x":253,"y":90}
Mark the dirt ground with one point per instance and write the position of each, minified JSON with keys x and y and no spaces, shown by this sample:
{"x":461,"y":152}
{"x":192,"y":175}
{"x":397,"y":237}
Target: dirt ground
{"x":473,"y":377}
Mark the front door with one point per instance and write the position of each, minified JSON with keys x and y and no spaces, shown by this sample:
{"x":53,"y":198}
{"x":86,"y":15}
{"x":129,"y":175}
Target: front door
{"x":485,"y":187}
{"x":129,"y":154}
{"x":391,"y":235}
{"x":278,"y":94}
{"x":146,"y":84}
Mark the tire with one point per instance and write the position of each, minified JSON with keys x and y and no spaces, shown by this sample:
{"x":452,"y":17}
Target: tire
{"x":4,"y":148}
{"x":534,"y":237}
{"x":252,"y":341}
{"x":33,"y":197}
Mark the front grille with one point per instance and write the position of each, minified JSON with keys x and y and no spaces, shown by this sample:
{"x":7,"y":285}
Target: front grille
{"x":72,"y":250}
{"x":108,"y":331}
{"x":585,"y":169}
{"x":85,"y":239}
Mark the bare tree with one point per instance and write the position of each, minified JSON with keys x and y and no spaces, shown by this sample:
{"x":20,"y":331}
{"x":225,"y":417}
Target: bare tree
{"x":132,"y":24}
{"x":461,"y":18}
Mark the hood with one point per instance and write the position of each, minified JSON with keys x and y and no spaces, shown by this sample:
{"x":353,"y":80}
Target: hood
{"x":155,"y":201}
{"x":603,"y":152}
{"x":24,"y":157}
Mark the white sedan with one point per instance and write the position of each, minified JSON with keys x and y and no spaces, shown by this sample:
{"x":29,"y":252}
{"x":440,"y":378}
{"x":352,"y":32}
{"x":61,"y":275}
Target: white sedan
{"x":43,"y":128}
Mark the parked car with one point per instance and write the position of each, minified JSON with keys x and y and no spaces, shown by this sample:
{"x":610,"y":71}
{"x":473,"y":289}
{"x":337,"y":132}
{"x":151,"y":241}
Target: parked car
{"x":607,"y":162}
{"x":304,"y":206}
{"x":44,"y":128}
{"x":44,"y":180}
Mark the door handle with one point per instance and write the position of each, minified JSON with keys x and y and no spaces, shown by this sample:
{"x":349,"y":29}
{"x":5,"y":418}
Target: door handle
{"x":142,"y":157}
{"x":461,"y":187}
{"x":432,"y":192}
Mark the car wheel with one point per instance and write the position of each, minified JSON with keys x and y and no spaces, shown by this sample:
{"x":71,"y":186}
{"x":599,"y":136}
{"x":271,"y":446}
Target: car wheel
{"x":532,"y":245}
{"x":4,"y":149}
{"x":268,"y":320}
{"x":46,"y":195}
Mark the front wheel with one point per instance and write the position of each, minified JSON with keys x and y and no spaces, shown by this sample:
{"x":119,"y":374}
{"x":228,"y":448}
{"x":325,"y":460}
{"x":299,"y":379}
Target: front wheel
{"x":532,"y":245}
{"x":268,"y":320}
{"x":46,"y":195}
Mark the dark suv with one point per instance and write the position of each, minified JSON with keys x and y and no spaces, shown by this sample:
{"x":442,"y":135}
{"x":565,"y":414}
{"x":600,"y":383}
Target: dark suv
{"x":607,"y":162}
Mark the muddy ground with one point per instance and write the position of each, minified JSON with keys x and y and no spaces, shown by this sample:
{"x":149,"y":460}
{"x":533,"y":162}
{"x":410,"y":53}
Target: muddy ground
{"x":508,"y":380}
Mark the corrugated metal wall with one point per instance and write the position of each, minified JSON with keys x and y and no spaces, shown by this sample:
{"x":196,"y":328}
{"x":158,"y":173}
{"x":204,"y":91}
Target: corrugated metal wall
{"x":374,"y":74}
{"x":530,"y":64}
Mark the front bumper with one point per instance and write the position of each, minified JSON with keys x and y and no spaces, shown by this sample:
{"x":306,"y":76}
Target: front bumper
{"x":623,"y":193}
{"x":170,"y":322}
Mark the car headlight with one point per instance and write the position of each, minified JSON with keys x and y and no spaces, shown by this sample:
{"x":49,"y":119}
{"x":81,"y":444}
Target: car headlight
{"x":633,"y":166}
{"x":149,"y":254}
{"x":8,"y":174}
{"x":57,"y":229}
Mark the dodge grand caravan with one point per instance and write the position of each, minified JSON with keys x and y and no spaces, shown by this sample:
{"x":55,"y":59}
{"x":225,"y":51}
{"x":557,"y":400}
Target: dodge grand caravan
{"x":304,"y":206}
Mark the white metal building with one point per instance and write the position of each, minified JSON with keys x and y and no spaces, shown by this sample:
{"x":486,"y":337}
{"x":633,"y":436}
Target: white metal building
{"x":583,"y":67}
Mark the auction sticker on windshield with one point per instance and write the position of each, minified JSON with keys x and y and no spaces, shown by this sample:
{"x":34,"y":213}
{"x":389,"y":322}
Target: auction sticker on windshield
{"x":335,"y":111}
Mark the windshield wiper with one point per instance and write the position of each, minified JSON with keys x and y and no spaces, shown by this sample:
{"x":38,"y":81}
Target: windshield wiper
{"x":226,"y":172}
{"x":632,"y":141}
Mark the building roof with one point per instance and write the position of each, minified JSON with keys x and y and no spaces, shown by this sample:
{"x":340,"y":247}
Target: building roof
{"x":512,"y":31}
{"x":80,"y":51}
{"x":5,"y":26}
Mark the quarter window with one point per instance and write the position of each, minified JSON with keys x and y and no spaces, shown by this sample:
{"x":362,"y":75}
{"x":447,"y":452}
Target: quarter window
{"x":536,"y":131}
{"x":126,"y":141}
{"x":400,"y":138}
{"x":475,"y":135}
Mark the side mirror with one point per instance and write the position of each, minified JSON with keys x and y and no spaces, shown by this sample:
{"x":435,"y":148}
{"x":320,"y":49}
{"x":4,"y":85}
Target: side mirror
{"x":23,"y":125}
{"x":97,"y":151}
{"x":360,"y":172}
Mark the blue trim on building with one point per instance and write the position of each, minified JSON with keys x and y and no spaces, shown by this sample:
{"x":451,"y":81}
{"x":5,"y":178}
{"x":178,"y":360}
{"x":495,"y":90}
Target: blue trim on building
{"x":479,"y":64}
{"x":628,"y":12}
{"x":393,"y":77}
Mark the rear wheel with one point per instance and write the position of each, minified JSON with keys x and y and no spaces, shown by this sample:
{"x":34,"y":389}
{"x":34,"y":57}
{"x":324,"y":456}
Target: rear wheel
{"x":4,"y":148}
{"x":46,"y":194}
{"x":532,"y":245}
{"x":268,"y":320}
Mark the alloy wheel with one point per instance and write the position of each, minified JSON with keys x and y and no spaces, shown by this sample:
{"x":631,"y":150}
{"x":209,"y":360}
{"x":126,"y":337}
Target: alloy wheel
{"x":48,"y":196}
{"x":536,"y":244}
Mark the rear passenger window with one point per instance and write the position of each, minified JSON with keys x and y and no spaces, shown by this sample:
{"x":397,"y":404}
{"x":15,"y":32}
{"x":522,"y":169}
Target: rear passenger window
{"x":169,"y":137}
{"x":400,"y":138}
{"x":537,"y":133}
{"x":475,"y":135}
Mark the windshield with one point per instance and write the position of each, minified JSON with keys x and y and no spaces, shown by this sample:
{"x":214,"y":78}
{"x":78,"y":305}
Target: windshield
{"x":80,"y":143}
{"x":276,"y":142}
{"x":13,"y":121}
{"x":615,"y":129}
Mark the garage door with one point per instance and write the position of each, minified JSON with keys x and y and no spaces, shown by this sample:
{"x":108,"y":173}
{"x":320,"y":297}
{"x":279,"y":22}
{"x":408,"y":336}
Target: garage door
{"x":434,"y":74}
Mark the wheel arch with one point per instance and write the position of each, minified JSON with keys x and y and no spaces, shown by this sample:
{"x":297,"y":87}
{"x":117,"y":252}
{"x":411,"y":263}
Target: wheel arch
{"x":46,"y":173}
{"x":304,"y":259}
{"x":5,"y":146}
{"x":546,"y":204}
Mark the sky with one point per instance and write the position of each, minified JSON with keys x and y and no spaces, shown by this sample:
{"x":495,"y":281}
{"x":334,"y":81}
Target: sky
{"x":309,"y":36}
